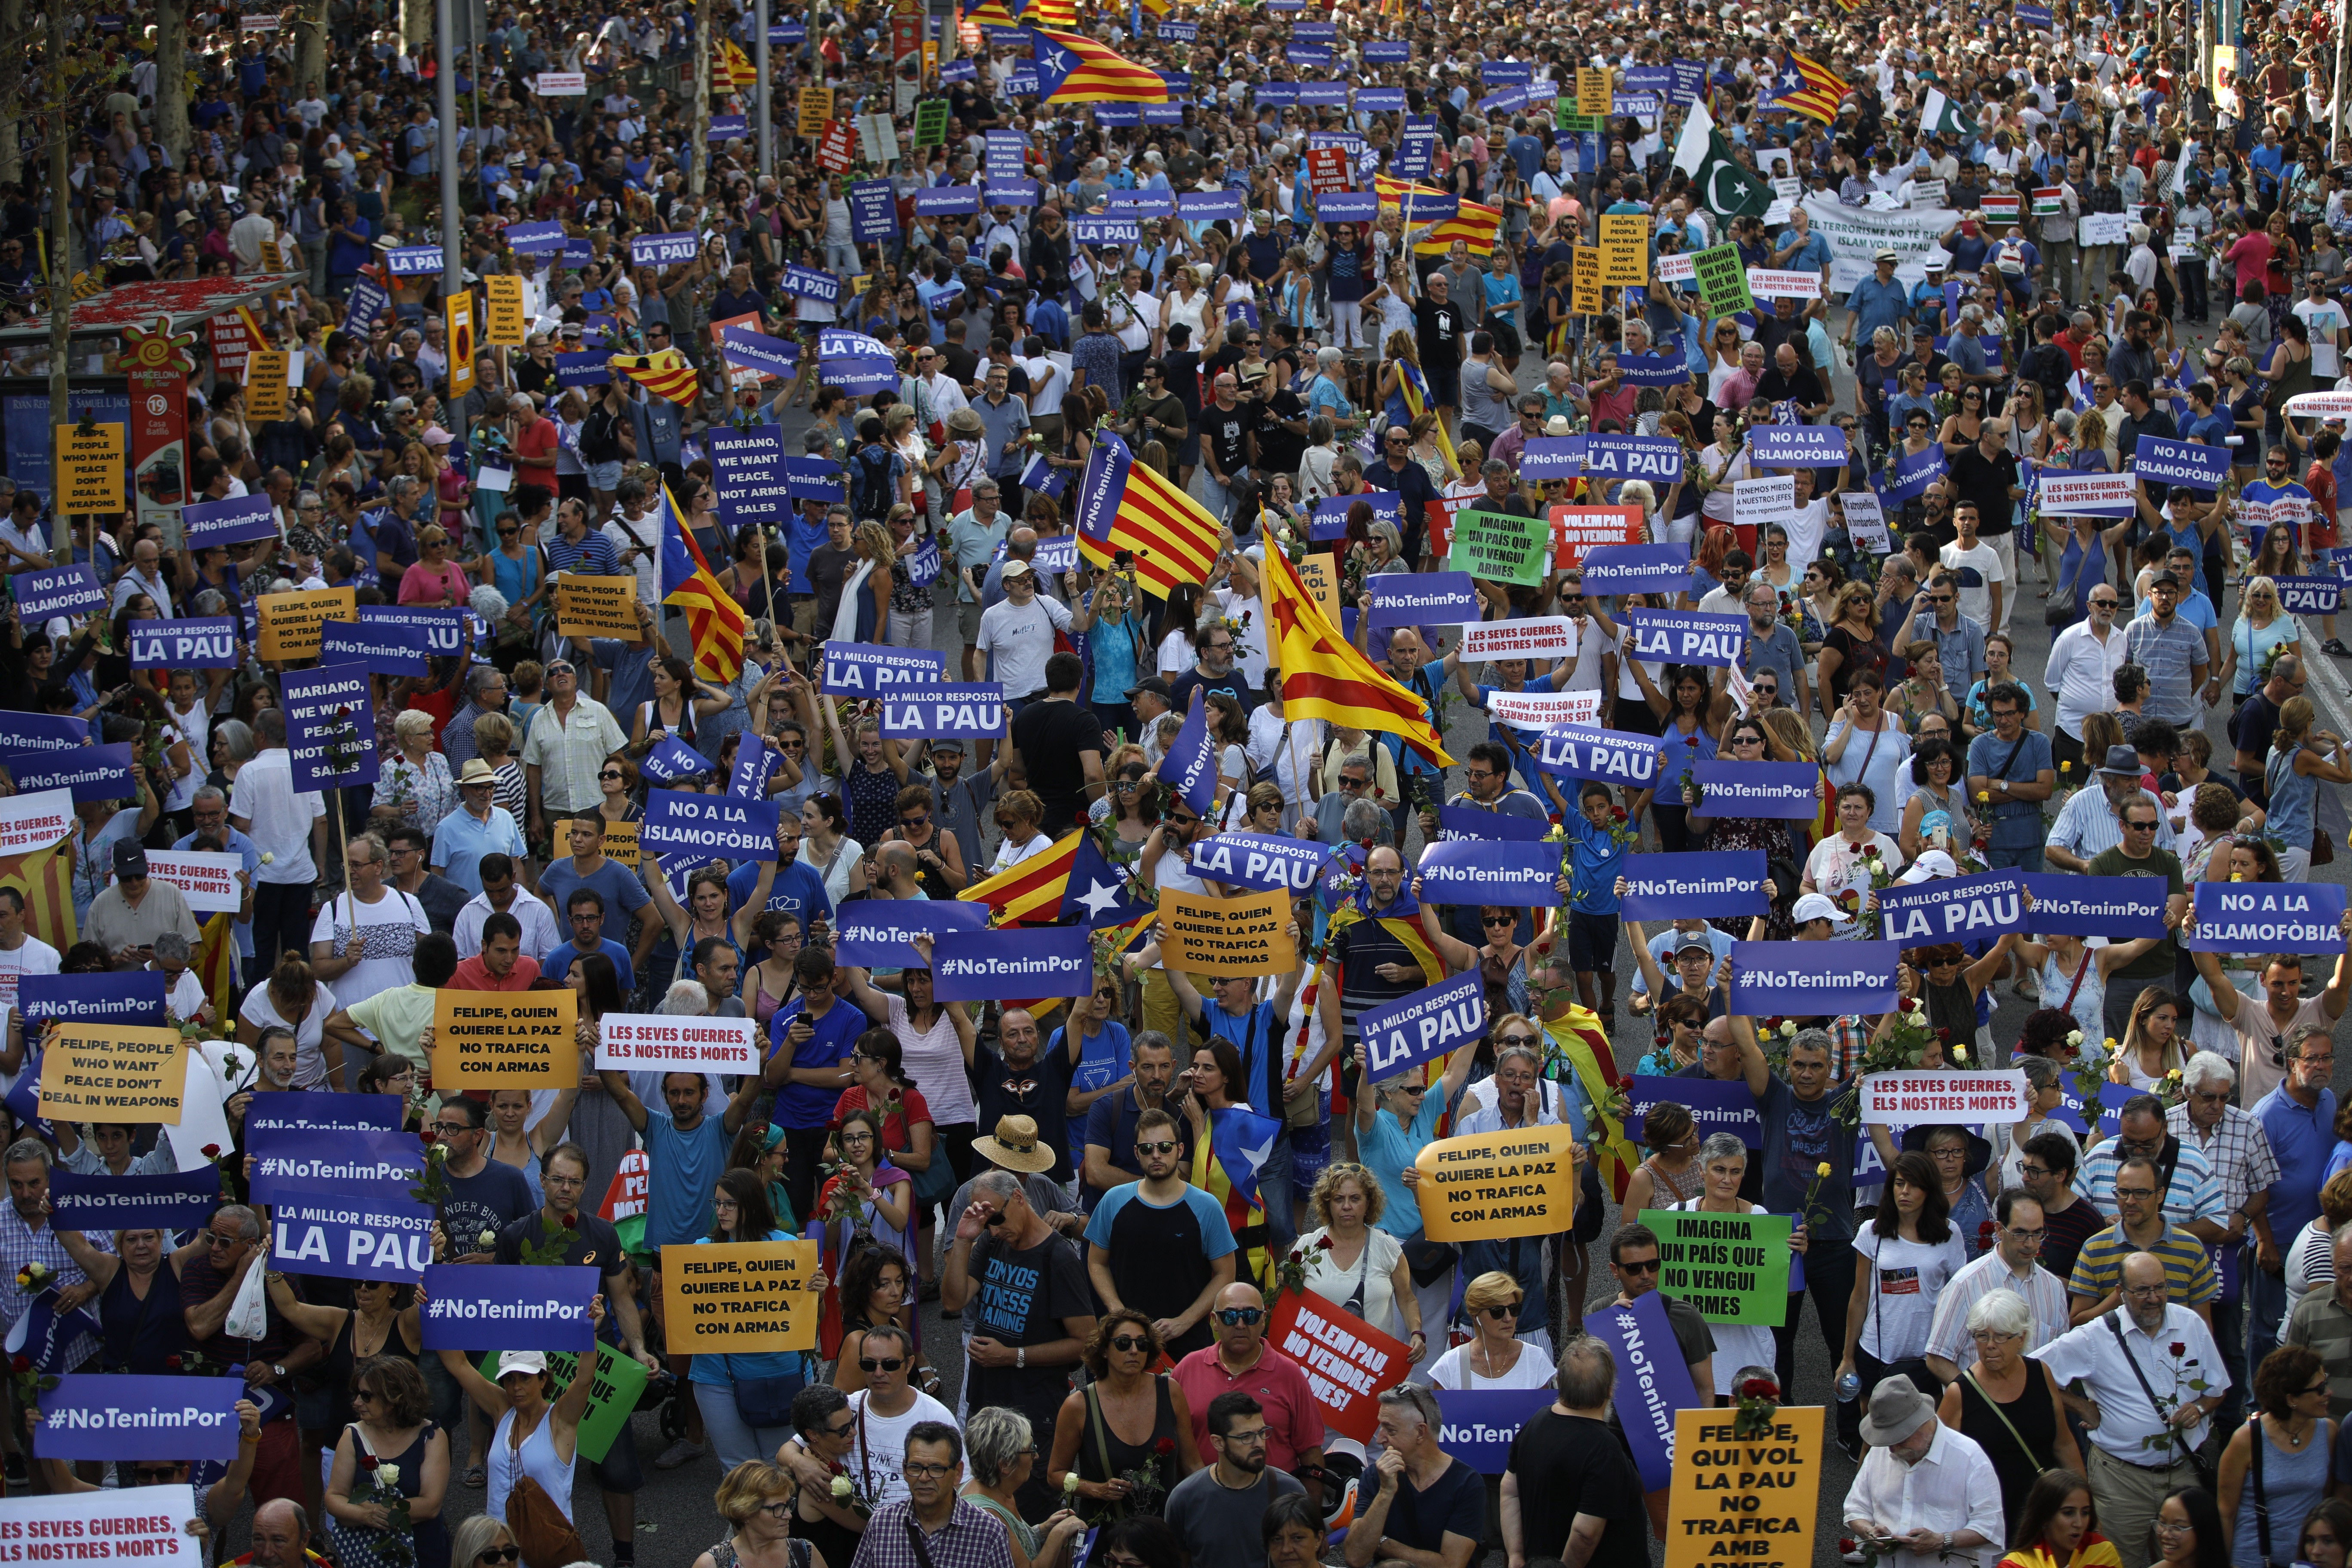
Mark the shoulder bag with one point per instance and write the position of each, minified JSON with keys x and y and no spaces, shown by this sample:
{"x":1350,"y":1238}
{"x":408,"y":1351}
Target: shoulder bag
{"x":545,"y":1537}
{"x":2196,"y":1461}
{"x":2040,"y":1464}
{"x":2262,"y":1492}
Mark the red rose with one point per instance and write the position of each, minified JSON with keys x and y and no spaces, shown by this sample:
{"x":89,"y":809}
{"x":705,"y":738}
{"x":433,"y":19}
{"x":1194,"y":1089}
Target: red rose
{"x":20,"y":1364}
{"x":428,"y":1137}
{"x":1324,"y":1244}
{"x":212,"y":1150}
{"x":171,"y":1364}
{"x":1846,"y":1545}
{"x":1616,"y":813}
{"x":2179,"y":1348}
{"x":1984,"y":1233}
{"x":1944,"y":1034}
{"x":572,"y":1222}
{"x":1296,"y":1255}
{"x":1165,"y":1449}
{"x":1759,"y":1388}
{"x":367,"y":1461}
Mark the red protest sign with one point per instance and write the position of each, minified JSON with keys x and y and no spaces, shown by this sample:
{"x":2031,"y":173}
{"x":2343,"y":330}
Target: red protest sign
{"x":626,"y":1197}
{"x":837,"y":151}
{"x":1577,"y":529}
{"x":1347,"y":1361}
{"x":1326,"y":170}
{"x":1441,"y":517}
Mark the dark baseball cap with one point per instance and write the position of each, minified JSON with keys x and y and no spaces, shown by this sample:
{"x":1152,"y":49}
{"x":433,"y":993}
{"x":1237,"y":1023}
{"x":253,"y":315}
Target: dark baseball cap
{"x":1154,"y":684}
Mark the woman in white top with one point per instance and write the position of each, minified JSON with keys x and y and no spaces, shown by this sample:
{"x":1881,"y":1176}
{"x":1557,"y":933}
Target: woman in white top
{"x":1240,"y":598}
{"x":2152,"y":1046}
{"x":1723,"y":343}
{"x":1723,"y":1159}
{"x":294,"y":1001}
{"x":2310,"y":1256}
{"x":1722,"y":463}
{"x":536,"y":1437}
{"x":1187,"y":302}
{"x":828,"y":848}
{"x":1495,"y":1356}
{"x":1019,"y":814}
{"x":933,"y":1041}
{"x":1352,"y":1262}
{"x":1180,"y":623}
{"x":2074,"y":978}
{"x":1394,"y":299}
{"x":571,"y":414}
{"x":1908,"y":1252}
{"x":1840,"y":863}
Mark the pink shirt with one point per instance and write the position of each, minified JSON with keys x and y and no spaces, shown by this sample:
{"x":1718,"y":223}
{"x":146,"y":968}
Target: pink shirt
{"x":1294,"y":1422}
{"x":423,"y":584}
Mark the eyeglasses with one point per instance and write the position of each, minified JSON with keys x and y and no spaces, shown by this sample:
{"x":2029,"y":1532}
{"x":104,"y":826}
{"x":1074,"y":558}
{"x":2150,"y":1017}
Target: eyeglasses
{"x":890,"y":1364}
{"x":1648,"y":1266}
{"x":1129,"y":1342}
{"x":1501,"y":1311}
{"x":2134,"y":1191}
{"x":1250,"y":1440}
{"x":1159,"y":1146}
{"x":1236,"y":1316}
{"x":924,"y":1472}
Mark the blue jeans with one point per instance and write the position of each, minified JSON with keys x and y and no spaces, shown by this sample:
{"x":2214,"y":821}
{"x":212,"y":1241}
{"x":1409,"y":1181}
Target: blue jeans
{"x":2265,"y":1298}
{"x":2026,"y":860}
{"x":731,"y":1438}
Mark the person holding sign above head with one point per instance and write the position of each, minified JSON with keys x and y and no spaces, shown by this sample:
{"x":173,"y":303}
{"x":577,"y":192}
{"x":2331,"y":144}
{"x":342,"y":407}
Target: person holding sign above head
{"x":1635,"y":1256}
{"x":1926,"y":1491}
{"x":219,"y":1503}
{"x":537,"y":1443}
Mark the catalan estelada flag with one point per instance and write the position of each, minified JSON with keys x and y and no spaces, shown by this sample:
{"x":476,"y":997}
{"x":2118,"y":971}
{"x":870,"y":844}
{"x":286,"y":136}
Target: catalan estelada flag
{"x":1473,"y":223}
{"x":1811,"y":89}
{"x":712,"y":616}
{"x":1126,"y":505}
{"x":1072,"y":68}
{"x":1415,"y":393}
{"x":666,"y":373}
{"x":731,"y":69}
{"x":1226,"y":1163}
{"x":1324,"y":676}
{"x":1031,"y":892}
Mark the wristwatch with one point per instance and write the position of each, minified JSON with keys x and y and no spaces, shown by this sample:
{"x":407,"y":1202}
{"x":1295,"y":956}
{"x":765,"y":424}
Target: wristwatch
{"x":276,"y":1369}
{"x":1020,"y":1355}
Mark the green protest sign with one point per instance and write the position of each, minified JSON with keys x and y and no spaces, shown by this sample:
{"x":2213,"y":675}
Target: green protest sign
{"x":1722,"y":279}
{"x":931,"y":122}
{"x":620,"y":1382}
{"x":1565,"y":117}
{"x":1731,"y":1268}
{"x":1500,"y":548}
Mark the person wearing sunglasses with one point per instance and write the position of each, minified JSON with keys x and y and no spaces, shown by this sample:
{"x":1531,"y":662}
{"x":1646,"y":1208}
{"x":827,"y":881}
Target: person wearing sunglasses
{"x":1161,"y":1246}
{"x":480,"y":1542}
{"x":219,"y":1504}
{"x":393,"y":1425}
{"x":757,"y":1500}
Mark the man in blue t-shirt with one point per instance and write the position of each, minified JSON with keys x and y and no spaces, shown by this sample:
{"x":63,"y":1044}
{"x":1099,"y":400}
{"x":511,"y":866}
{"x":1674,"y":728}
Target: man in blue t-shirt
{"x":585,"y":910}
{"x":2279,"y":498}
{"x":1161,"y":1246}
{"x":2011,"y":773}
{"x":809,"y":1042}
{"x":790,"y":886}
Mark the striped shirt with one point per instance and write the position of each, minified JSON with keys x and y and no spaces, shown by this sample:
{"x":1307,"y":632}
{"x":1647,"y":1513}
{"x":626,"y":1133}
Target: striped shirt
{"x":2187,"y":1268}
{"x":2238,"y":1150}
{"x":2320,"y":1322}
{"x":2194,"y":1193}
{"x":2044,"y":1294}
{"x":2089,"y":826}
{"x":2169,"y":654}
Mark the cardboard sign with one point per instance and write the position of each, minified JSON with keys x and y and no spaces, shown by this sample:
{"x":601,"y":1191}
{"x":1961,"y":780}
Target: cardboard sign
{"x":1542,"y":709}
{"x":1490,"y":1186}
{"x":815,"y":108}
{"x":507,"y":1040}
{"x":589,"y":606}
{"x":97,"y":1072}
{"x":289,"y":622}
{"x":1731,"y":1268}
{"x":1764,"y":503}
{"x":1625,"y":251}
{"x":87,"y":468}
{"x":1430,"y":1023}
{"x":1949,"y":1098}
{"x":1763,"y":1495}
{"x":31,"y":822}
{"x":1595,"y":92}
{"x":631,"y":1042}
{"x":1227,"y":936}
{"x":620,"y":839}
{"x":504,"y":323}
{"x":1316,"y":572}
{"x":266,"y":392}
{"x":739,"y":1298}
{"x":1722,"y":279}
{"x":1500,"y":546}
{"x":508,"y":1306}
{"x":1576,"y":529}
{"x":149,"y":1523}
{"x":206,"y":880}
{"x":1347,"y":1361}
{"x":1540,"y":637}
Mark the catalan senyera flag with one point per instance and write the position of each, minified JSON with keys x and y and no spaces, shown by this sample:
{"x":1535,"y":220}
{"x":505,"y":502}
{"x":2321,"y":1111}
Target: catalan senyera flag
{"x":1475,"y":223}
{"x":712,"y":616}
{"x":1051,"y":13}
{"x":1324,"y":676}
{"x":1031,"y":891}
{"x":1073,"y":68}
{"x":991,"y":13}
{"x":1811,"y":89}
{"x":731,"y":69}
{"x":666,"y":374}
{"x":1126,"y":505}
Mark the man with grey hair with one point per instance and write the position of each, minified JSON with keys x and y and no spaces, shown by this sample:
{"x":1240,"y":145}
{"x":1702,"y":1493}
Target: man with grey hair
{"x":1570,"y":1490}
{"x":2239,"y":1153}
{"x":1447,"y":1517}
{"x":486,"y":692}
{"x":26,"y":1237}
{"x":184,"y":993}
{"x":1771,"y":646}
{"x":1925,"y":1492}
{"x":391,"y":529}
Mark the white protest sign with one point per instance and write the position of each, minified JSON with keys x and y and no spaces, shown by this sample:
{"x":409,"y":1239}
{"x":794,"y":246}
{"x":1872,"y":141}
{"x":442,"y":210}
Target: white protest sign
{"x":560,"y":84}
{"x":631,"y":1042}
{"x":33,"y":822}
{"x":207,"y":880}
{"x":1865,"y":522}
{"x":1951,"y":1097}
{"x":1541,"y":709}
{"x":1926,"y":193}
{"x":2103,"y":228}
{"x":1772,"y":283}
{"x":1761,"y":504}
{"x":2073,"y":495}
{"x":202,"y":1119}
{"x":1542,"y":637}
{"x":1789,"y":190}
{"x":1673,"y":269}
{"x":149,"y":1523}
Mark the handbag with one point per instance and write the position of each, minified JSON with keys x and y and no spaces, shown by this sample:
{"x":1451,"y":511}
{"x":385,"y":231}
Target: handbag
{"x":2060,"y":610}
{"x":2040,"y":1464}
{"x":1430,"y":1261}
{"x":546,"y":1538}
{"x":2323,"y":846}
{"x":2196,"y":1461}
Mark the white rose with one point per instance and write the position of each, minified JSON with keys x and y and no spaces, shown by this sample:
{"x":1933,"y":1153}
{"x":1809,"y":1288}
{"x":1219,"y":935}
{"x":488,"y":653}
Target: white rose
{"x":488,"y":1237}
{"x":267,"y":858}
{"x":2074,"y":1037}
{"x":388,"y":1475}
{"x":1959,"y":1053}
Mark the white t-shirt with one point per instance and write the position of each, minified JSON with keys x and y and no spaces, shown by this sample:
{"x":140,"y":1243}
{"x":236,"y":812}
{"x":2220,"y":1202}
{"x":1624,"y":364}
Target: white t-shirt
{"x":1978,"y":570}
{"x":1901,"y":1307}
{"x":270,"y":811}
{"x":392,"y":925}
{"x":1532,"y":1370}
{"x":1836,"y":865}
{"x":647,"y":566}
{"x":310,"y":1062}
{"x":878,"y":1449}
{"x":186,"y":997}
{"x":1175,"y":655}
{"x":2324,"y":318}
{"x":1019,"y":638}
{"x":195,"y":727}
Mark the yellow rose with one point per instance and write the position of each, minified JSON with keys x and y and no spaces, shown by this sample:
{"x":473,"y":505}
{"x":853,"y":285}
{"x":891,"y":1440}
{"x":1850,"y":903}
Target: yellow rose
{"x":1983,"y":795}
{"x":1823,"y":1170}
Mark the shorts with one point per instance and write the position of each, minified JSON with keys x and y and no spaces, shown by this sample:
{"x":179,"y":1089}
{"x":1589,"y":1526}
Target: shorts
{"x":968,"y":622}
{"x":605,"y":477}
{"x":1444,"y":385}
{"x":1592,"y":943}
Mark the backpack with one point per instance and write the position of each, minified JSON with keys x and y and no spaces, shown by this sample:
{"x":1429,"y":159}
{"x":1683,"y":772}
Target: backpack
{"x":599,"y":440}
{"x":873,"y":489}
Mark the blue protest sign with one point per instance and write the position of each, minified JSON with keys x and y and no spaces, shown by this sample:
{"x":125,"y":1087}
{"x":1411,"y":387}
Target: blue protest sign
{"x":671,"y":760}
{"x":1175,"y":32}
{"x":1323,"y":94}
{"x":1654,"y":1382}
{"x":593,"y":368}
{"x":1490,"y":872}
{"x":1552,"y":457}
{"x":132,"y":997}
{"x":873,"y":210}
{"x":1670,"y":887}
{"x":809,"y":283}
{"x":1420,"y":599}
{"x":812,"y":478}
{"x":351,"y":1237}
{"x":2267,"y":917}
{"x":1250,"y":860}
{"x":1796,"y":446}
{"x":970,"y":710}
{"x":368,"y":300}
{"x":924,"y":565}
{"x":208,"y":523}
{"x":1056,"y":555}
{"x":1689,"y":636}
{"x":1375,"y":101}
{"x":1086,"y":229}
{"x":947,"y":201}
{"x":1637,"y":569}
{"x":1388,"y":52}
{"x":127,"y":1418}
{"x":330,"y":726}
{"x":2191,"y":464}
{"x":1589,"y":752}
{"x":708,"y":824}
{"x":1657,"y":457}
{"x":1347,"y":206}
{"x":1804,"y":979}
{"x":1307,"y":55}
{"x":1913,"y":474}
{"x":1012,"y":192}
{"x":2037,"y":18}
{"x":1953,"y":910}
{"x":1113,"y":114}
{"x":1330,"y":520}
{"x":1140,"y":204}
{"x":508,"y":1307}
{"x":2070,"y":1110}
{"x":2309,"y":595}
{"x":1191,"y":765}
{"x":1790,"y":791}
{"x":42,"y":733}
{"x":1479,"y":1423}
{"x":93,"y":772}
{"x":1284,"y":93}
{"x":665,"y":249}
{"x":531,"y":239}
{"x":1013,"y":966}
{"x":747,"y":473}
{"x":202,"y":642}
{"x":867,"y":669}
{"x":361,"y":1164}
{"x":182,"y":1200}
{"x":1207,"y":206}
{"x":787,"y":32}
{"x":445,"y":629}
{"x":1652,"y":370}
{"x":1476,"y":822}
{"x":747,"y":350}
{"x":1007,"y":156}
{"x":1431,"y":1022}
{"x":270,"y":1114}
{"x":2122,"y":908}
{"x":1416,"y":150}
{"x":873,"y":933}
{"x":376,"y":648}
{"x":413,"y":260}
{"x":57,"y":591}
{"x":726,"y":128}
{"x":1690,"y":79}
{"x":1717,"y":1105}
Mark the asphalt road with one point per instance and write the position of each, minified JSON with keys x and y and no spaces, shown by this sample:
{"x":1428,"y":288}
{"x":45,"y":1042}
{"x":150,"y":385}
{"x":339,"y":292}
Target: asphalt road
{"x":675,"y":1520}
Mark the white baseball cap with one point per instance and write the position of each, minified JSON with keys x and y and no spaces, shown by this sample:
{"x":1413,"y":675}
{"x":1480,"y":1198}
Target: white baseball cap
{"x":1816,"y":907}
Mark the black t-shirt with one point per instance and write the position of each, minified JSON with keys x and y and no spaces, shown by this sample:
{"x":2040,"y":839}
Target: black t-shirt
{"x":1803,"y":388}
{"x":1453,"y":1504}
{"x":959,"y":362}
{"x":1021,"y":1297}
{"x":1159,"y":1262}
{"x":1040,"y":1091}
{"x":1986,"y":481}
{"x":1184,"y":380}
{"x":1179,"y":690}
{"x":1280,"y":451}
{"x":1224,"y":434}
{"x":1568,"y":1464}
{"x":1435,"y":328}
{"x":2254,"y":724}
{"x":595,"y":1239}
{"x":491,"y":1199}
{"x":1051,"y":737}
{"x":828,"y":569}
{"x":2064,"y":1232}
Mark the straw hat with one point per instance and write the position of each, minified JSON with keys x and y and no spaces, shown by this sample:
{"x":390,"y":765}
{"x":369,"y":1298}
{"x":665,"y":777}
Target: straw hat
{"x":1016,"y":1146}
